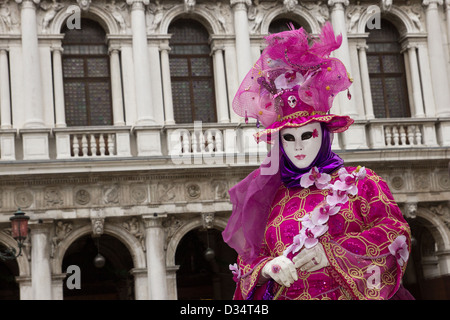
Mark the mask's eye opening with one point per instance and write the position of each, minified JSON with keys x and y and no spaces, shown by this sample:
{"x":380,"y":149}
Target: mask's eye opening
{"x":307,"y":135}
{"x":288,"y":137}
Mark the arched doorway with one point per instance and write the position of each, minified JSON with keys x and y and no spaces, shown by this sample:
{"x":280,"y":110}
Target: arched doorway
{"x":113,"y":281}
{"x":204,"y":275}
{"x":422,"y":277}
{"x":9,"y":289}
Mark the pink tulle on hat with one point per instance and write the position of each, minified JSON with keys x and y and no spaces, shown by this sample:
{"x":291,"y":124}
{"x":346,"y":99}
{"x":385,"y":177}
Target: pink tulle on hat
{"x":294,"y":83}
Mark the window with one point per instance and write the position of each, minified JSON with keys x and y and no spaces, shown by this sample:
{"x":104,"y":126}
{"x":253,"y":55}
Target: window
{"x":86,"y":76}
{"x":387,"y":73}
{"x":280,"y":25}
{"x":191,"y":72}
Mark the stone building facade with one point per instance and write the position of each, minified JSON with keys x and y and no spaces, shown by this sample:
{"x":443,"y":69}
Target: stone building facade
{"x":121,"y":140}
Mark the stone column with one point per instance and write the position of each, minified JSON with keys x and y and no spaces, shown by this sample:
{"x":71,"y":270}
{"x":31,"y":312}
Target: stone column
{"x":116,"y":87}
{"x":232,"y":79}
{"x":444,"y":262}
{"x":355,"y":136}
{"x":447,"y":17}
{"x":145,"y":112}
{"x":416,"y":88}
{"x":438,"y":60}
{"x":58,"y":87}
{"x":34,"y":134}
{"x":167,"y":85}
{"x":41,"y":280}
{"x":140,"y":283}
{"x":156,"y":257}
{"x":58,"y":286}
{"x":220,"y":85}
{"x":244,"y":60}
{"x":32,"y":100}
{"x":415,"y":81}
{"x":5,"y":98}
{"x":365,"y":82}
{"x":338,"y":21}
{"x":26,"y":291}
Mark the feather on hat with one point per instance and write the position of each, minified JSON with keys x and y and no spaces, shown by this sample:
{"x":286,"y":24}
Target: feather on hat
{"x":294,"y":83}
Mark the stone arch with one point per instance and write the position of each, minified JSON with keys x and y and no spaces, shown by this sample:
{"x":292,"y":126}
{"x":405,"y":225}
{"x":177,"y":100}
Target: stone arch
{"x":437,"y":227}
{"x":199,"y":14}
{"x":397,"y":16}
{"x":22,"y":261}
{"x":219,"y":223}
{"x":96,"y":13}
{"x":298,"y":15}
{"x":131,"y":243}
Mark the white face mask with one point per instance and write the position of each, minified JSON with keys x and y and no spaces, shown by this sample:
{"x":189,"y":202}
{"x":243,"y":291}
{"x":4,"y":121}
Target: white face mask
{"x":302,"y":144}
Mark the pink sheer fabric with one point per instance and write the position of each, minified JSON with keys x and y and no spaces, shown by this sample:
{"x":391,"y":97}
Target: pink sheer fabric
{"x":251,"y":200}
{"x":357,"y":244}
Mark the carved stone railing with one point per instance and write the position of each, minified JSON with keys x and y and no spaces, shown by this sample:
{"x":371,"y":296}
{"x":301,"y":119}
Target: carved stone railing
{"x":227,"y":143}
{"x":212,"y":140}
{"x":92,"y":142}
{"x":403,"y":133}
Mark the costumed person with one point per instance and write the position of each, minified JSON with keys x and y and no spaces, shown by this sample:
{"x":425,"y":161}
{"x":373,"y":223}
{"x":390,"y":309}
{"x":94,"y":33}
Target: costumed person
{"x":312,"y":228}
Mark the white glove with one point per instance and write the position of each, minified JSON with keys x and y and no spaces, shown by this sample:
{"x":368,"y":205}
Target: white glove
{"x":280,"y":269}
{"x":311,"y":259}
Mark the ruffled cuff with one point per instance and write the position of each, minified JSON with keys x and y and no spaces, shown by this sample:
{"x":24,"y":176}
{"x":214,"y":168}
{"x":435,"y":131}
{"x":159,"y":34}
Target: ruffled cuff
{"x":248,"y":287}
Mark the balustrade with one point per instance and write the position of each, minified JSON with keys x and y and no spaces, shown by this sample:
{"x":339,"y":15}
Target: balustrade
{"x":93,"y":145}
{"x":214,"y":139}
{"x":94,"y":142}
{"x":403,"y":135}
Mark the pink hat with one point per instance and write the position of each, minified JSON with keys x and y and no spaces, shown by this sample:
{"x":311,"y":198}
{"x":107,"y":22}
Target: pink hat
{"x":294,"y":83}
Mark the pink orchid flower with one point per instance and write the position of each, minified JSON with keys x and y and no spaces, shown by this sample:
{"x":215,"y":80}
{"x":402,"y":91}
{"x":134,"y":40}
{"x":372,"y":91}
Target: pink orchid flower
{"x":337,"y":196}
{"x":399,"y":249}
{"x":236,"y":271}
{"x":299,"y":241}
{"x":311,"y":232}
{"x":321,"y":180}
{"x":322,"y":213}
{"x":347,"y":182}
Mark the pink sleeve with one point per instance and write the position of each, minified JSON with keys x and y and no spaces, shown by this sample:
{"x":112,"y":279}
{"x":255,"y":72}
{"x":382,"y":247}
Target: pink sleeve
{"x":363,"y":261}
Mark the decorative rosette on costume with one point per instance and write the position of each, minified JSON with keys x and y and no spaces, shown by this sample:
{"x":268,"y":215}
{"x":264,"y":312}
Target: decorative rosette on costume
{"x":294,"y":83}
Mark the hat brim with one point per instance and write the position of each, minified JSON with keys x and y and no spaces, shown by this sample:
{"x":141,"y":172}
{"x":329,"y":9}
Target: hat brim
{"x":334,"y":123}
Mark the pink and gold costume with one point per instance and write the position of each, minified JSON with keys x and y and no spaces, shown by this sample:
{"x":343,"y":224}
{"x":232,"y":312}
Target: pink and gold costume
{"x":358,"y":244}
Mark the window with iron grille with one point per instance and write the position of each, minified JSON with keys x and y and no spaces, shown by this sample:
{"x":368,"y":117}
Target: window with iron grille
{"x":387,"y":73}
{"x":86,"y":76}
{"x":191,"y":71}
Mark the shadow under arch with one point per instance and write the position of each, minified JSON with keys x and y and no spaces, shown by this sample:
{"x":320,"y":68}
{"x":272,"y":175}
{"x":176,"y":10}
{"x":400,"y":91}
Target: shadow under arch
{"x":425,"y":277}
{"x":129,"y":241}
{"x":301,"y":17}
{"x":110,"y":281}
{"x":200,"y":14}
{"x":203,"y":259}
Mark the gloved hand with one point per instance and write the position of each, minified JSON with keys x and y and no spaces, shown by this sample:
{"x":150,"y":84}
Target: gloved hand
{"x":311,"y":259}
{"x":280,"y":269}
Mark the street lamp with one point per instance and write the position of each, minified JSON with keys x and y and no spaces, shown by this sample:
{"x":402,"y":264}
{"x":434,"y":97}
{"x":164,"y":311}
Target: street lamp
{"x":19,"y":231}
